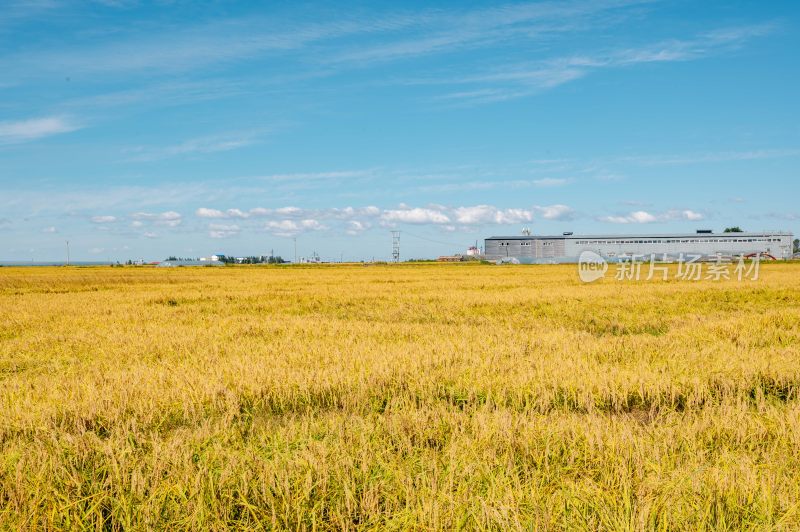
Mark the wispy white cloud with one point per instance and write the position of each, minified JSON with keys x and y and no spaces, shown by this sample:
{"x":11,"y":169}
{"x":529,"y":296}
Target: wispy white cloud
{"x":312,"y":176}
{"x":34,"y":128}
{"x":161,"y":93}
{"x":201,"y":145}
{"x":515,"y":81}
{"x":712,"y":157}
{"x":466,"y":186}
{"x":447,"y":32}
{"x":548,"y":182}
{"x":15,"y":11}
{"x":103,"y":219}
{"x":392,"y":36}
{"x":785,"y":216}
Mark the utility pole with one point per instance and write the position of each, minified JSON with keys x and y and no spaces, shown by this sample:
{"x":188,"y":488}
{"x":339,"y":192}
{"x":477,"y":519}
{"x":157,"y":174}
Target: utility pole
{"x":396,"y":246}
{"x":67,"y":252}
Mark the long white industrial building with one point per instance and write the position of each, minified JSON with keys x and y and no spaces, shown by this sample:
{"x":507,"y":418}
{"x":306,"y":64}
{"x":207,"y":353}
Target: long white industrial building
{"x":568,"y":247}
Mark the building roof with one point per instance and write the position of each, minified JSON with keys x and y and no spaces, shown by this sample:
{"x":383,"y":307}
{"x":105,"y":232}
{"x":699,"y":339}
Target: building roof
{"x":650,"y":235}
{"x":174,"y":263}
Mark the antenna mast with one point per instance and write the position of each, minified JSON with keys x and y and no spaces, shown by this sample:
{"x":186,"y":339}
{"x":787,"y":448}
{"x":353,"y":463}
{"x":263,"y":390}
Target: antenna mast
{"x":396,"y":246}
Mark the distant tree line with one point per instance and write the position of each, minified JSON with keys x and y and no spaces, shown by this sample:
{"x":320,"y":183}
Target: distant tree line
{"x":262,"y":259}
{"x":255,"y":259}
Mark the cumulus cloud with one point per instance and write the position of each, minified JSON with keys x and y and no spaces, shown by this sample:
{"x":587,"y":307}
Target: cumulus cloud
{"x":692,"y":215}
{"x":415,"y":216}
{"x":644,"y":217}
{"x":348,"y":213}
{"x":223,"y":230}
{"x":487,"y":214}
{"x":237,"y":213}
{"x":284,"y":212}
{"x":204,"y":212}
{"x":289,"y":211}
{"x":290,"y":221}
{"x":555,"y":212}
{"x":50,"y":229}
{"x":636,"y":217}
{"x":104,"y":219}
{"x":355,"y":227}
{"x":168,"y":218}
{"x":345,"y":213}
{"x":289,"y":228}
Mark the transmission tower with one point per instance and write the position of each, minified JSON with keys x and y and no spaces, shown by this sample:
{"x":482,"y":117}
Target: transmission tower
{"x":396,"y":246}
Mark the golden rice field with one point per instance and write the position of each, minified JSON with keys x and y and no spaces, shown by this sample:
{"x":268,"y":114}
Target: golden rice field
{"x":410,"y":397}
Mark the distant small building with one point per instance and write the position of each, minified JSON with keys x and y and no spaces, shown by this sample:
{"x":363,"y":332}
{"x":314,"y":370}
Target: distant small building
{"x":178,"y":263}
{"x":473,"y":252}
{"x":449,"y":258}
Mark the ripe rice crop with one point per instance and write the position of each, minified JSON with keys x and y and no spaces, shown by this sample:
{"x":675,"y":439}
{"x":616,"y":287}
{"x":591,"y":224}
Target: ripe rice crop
{"x":397,"y":397}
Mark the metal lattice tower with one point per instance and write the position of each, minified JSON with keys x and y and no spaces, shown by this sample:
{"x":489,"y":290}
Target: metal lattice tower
{"x":396,"y":246}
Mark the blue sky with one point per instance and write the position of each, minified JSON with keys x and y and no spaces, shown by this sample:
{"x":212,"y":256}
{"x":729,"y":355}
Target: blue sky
{"x":142,"y":129}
